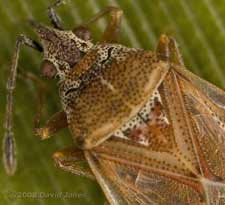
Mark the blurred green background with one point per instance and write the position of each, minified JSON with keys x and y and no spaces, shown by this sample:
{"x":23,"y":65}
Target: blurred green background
{"x":198,"y":26}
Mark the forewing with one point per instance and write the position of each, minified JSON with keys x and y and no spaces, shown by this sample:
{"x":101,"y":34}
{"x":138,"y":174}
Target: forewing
{"x":205,"y":105}
{"x":126,"y":180}
{"x":117,"y":191}
{"x":213,"y":93}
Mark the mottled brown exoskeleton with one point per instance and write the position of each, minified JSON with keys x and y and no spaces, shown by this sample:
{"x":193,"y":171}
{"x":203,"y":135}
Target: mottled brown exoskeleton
{"x":151,"y":131}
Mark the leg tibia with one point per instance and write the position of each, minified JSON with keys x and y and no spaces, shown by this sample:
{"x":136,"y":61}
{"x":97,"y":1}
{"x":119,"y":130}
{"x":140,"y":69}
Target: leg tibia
{"x":57,"y":122}
{"x":73,"y":160}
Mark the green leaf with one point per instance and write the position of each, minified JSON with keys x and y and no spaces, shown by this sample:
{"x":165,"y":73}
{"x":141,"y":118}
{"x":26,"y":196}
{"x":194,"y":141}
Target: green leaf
{"x":198,"y":26}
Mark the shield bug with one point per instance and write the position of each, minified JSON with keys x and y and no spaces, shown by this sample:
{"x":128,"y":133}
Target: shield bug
{"x":150,"y":131}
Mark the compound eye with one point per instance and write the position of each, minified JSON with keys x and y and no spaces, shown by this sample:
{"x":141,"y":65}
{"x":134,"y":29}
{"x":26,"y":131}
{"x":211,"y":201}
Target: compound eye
{"x":48,"y":69}
{"x":82,"y":33}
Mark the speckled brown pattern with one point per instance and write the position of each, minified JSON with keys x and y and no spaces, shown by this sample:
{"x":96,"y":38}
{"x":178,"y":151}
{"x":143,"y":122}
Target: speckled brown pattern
{"x":117,"y":86}
{"x":150,"y":131}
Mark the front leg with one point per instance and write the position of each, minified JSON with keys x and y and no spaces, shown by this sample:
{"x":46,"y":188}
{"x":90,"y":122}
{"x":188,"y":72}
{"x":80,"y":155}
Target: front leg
{"x":111,"y":32}
{"x":56,"y":123}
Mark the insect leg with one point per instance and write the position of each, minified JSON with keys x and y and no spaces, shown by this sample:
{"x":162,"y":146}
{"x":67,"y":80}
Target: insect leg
{"x":57,"y":122}
{"x":9,"y":158}
{"x":175,"y":54}
{"x":54,"y":18}
{"x":162,"y":49}
{"x":167,"y":50}
{"x":73,"y":160}
{"x":112,"y":30}
{"x":42,"y":90}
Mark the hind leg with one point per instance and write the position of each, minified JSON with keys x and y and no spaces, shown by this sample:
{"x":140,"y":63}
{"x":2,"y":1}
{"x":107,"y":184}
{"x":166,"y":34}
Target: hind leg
{"x":167,"y":50}
{"x":73,"y":160}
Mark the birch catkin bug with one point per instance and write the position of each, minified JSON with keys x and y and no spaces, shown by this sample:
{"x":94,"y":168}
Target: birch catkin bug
{"x":150,"y":131}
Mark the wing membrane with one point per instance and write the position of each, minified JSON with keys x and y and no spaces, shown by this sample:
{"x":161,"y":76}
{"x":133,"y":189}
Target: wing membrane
{"x":207,"y":109}
{"x":130,"y":182}
{"x":116,"y":191}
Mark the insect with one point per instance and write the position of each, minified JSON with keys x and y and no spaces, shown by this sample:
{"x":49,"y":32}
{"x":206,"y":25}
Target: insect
{"x":150,"y":131}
